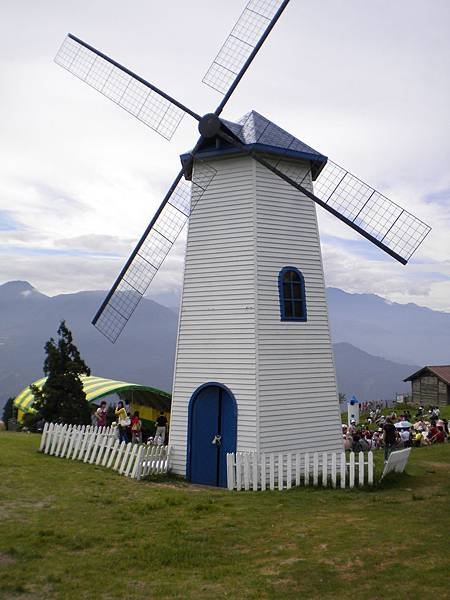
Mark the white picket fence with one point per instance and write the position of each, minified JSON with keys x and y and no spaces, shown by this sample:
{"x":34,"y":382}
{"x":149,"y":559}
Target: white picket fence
{"x":100,"y":446}
{"x":250,"y":471}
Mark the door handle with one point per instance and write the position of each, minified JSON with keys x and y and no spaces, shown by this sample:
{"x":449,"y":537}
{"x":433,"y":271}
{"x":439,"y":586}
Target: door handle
{"x":217,"y":440}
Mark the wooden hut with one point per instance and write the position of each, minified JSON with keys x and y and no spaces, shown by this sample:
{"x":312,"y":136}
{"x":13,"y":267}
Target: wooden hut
{"x":431,"y":385}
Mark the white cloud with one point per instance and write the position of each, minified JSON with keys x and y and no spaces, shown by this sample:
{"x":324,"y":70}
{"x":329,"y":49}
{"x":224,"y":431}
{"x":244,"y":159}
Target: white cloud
{"x":365,"y":83}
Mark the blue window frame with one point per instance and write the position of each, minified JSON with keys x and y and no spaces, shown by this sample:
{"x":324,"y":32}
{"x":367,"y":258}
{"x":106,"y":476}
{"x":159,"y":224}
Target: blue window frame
{"x":291,"y":287}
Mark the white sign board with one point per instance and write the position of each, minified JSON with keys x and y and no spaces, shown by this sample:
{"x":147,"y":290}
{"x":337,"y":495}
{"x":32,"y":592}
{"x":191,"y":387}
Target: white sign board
{"x":396,"y":462}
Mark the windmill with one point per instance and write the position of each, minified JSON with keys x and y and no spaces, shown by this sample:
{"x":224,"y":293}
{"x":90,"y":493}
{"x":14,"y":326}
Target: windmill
{"x":254,"y":367}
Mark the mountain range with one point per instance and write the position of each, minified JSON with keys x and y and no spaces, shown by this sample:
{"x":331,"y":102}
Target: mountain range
{"x":376,"y":343}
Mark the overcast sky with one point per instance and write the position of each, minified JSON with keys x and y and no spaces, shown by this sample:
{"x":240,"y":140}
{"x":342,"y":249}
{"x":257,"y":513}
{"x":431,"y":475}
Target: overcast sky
{"x":366,"y":83}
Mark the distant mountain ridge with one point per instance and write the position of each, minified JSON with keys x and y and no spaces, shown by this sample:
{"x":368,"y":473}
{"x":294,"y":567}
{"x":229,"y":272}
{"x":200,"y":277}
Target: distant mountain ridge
{"x":399,"y":332}
{"x":364,"y":327}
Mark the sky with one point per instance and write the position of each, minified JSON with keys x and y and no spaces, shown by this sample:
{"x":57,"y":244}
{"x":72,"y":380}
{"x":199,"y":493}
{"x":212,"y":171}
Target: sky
{"x":365,"y":83}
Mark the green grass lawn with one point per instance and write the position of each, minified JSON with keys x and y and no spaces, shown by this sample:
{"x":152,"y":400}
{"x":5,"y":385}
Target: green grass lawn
{"x":70,"y":530}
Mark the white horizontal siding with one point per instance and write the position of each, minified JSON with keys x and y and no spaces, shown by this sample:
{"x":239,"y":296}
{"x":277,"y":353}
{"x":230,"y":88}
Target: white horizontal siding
{"x":297,"y":396}
{"x":246,"y":227}
{"x":216,"y":340}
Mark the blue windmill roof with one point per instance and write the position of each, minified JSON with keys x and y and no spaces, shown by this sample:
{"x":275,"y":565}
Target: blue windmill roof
{"x":262,"y":135}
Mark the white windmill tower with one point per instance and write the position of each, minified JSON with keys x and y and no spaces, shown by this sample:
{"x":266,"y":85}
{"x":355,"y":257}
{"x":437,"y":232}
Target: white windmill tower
{"x":254,"y":367}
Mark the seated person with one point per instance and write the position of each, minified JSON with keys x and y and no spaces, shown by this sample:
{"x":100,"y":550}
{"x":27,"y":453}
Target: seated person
{"x":438,"y":437}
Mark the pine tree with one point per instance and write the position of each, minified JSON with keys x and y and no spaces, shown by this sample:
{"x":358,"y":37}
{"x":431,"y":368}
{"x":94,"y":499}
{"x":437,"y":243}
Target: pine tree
{"x":8,"y":410}
{"x":62,"y":397}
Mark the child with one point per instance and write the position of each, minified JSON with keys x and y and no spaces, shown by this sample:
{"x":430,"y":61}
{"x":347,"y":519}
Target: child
{"x":136,"y":429}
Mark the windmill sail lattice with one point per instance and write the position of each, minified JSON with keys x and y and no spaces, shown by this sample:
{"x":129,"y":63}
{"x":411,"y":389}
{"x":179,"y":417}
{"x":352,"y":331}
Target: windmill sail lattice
{"x":121,"y":86}
{"x":348,"y":197}
{"x":151,"y":251}
{"x":242,"y":41}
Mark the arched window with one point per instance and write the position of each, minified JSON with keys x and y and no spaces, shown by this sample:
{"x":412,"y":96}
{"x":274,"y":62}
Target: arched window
{"x":291,"y":285}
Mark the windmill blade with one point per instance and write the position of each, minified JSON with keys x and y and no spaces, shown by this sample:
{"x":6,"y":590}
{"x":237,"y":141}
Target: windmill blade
{"x":386,"y":224}
{"x":143,"y":100}
{"x":150,"y":252}
{"x":242,"y":45}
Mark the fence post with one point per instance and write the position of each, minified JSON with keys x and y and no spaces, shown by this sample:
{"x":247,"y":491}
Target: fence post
{"x":297,"y":468}
{"x":246,"y":471}
{"x":255,"y":471}
{"x":62,"y":438}
{"x":76,"y":442}
{"x":370,"y":468}
{"x":280,"y":471}
{"x":113,"y":453}
{"x":95,"y":444}
{"x":238,"y":471}
{"x":272,"y":471}
{"x":352,"y":470}
{"x":131,"y":460}
{"x":101,"y":449}
{"x":120,"y":450}
{"x":136,"y":472}
{"x":315,"y":469}
{"x":263,"y":471}
{"x":324,"y":469}
{"x":85,"y":440}
{"x":125,"y":456}
{"x":289,"y":470}
{"x":230,"y":470}
{"x":306,"y":468}
{"x":90,"y":443}
{"x":69,"y":435}
{"x":333,"y":470}
{"x":43,"y":437}
{"x":49,"y":437}
{"x":343,"y":470}
{"x":361,"y":469}
{"x":56,"y":433}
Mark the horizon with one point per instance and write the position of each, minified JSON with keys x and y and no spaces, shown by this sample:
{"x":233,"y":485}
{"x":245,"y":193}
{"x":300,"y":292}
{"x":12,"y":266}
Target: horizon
{"x":176,"y":293}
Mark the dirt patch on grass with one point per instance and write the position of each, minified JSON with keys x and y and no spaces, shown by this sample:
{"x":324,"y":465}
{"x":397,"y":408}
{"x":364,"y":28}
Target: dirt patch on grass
{"x":5,"y":559}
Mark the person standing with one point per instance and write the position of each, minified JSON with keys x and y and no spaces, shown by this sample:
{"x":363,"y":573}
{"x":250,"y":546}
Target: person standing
{"x":161,"y":424}
{"x":136,"y":428}
{"x":123,"y":421}
{"x":100,"y":414}
{"x":389,"y":437}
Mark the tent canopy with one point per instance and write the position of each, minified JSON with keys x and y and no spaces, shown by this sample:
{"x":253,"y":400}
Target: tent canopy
{"x":98,"y":387}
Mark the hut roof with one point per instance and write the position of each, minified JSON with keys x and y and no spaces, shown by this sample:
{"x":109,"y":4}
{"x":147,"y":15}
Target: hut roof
{"x":441,"y":371}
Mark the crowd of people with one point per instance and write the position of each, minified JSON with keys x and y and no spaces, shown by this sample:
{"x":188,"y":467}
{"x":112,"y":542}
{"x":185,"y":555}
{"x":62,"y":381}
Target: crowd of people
{"x":128,"y":427}
{"x":393,"y":432}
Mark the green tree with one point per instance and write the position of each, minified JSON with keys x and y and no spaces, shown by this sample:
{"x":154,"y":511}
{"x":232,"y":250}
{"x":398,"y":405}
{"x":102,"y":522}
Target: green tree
{"x":9,"y":410}
{"x":62,"y":397}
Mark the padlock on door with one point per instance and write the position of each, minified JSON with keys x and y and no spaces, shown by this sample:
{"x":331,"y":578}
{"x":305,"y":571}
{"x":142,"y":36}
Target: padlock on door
{"x":217,"y":440}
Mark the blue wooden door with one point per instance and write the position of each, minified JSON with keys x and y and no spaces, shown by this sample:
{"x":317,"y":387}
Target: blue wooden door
{"x":213,"y":413}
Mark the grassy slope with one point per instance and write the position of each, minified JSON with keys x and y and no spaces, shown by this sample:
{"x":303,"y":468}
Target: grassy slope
{"x":70,"y":530}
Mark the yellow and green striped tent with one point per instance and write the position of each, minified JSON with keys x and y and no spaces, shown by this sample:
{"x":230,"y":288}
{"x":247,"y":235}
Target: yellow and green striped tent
{"x":97,"y":387}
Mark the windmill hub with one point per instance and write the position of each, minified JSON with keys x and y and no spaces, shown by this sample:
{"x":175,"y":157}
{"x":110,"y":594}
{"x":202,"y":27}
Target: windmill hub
{"x":209,"y":126}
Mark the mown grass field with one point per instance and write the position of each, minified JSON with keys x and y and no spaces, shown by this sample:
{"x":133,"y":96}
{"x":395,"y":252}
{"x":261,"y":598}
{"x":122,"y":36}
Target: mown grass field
{"x":75,"y":531}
